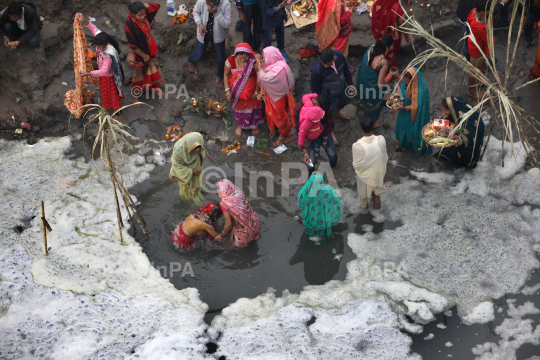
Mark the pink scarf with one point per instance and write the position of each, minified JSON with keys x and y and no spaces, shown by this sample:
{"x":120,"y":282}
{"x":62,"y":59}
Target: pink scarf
{"x":236,"y":202}
{"x":276,"y":77}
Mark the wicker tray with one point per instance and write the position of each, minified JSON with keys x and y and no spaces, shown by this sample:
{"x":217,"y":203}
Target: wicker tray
{"x":388,"y":106}
{"x":300,"y":22}
{"x":429,"y":126}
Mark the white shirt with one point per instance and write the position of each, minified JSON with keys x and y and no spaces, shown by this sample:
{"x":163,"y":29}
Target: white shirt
{"x":21,"y":23}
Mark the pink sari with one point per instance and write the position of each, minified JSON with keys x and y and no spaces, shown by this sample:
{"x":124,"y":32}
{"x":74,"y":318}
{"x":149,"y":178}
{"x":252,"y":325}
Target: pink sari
{"x":246,"y":227}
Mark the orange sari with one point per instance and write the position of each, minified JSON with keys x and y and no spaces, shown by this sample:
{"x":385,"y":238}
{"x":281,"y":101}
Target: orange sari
{"x":278,"y":115}
{"x":334,"y":26}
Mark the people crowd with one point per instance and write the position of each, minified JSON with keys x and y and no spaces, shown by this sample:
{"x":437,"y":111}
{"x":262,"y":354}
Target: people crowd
{"x":258,"y":83}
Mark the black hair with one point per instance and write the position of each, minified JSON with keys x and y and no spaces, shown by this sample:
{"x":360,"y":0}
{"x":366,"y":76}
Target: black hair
{"x":327,"y":56}
{"x":445,"y":104}
{"x":216,"y":213}
{"x":366,"y":124}
{"x":324,"y":102}
{"x":136,"y":7}
{"x":380,"y":47}
{"x":482,"y":5}
{"x":15,"y":8}
{"x":104,"y":39}
{"x":408,"y":75}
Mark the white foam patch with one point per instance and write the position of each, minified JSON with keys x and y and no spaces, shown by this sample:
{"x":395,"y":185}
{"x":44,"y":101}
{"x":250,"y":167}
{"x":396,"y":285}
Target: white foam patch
{"x":361,"y":329}
{"x":86,"y":262}
{"x":529,"y":290}
{"x":514,"y":333}
{"x":433,"y":178}
{"x":481,"y":314}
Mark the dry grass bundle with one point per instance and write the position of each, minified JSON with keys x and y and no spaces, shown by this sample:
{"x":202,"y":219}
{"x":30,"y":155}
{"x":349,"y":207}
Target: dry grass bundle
{"x":114,"y":134}
{"x":508,"y":115}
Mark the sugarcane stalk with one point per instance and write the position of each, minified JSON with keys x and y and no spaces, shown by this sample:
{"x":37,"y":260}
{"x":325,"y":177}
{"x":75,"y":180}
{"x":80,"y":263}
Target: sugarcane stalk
{"x":111,"y":170}
{"x":44,"y":227}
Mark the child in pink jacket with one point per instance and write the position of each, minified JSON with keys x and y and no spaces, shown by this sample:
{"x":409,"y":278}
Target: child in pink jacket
{"x":310,"y":121}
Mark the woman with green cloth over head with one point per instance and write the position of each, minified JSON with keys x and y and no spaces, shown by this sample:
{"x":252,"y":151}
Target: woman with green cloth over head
{"x":472,"y":135}
{"x":321,"y":207}
{"x":413,"y":114}
{"x":187,"y":164}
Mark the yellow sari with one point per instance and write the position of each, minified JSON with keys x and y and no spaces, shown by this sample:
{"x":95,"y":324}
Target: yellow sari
{"x":188,"y":155}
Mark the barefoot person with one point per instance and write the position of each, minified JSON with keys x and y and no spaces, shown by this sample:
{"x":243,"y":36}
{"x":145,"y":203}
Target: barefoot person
{"x":242,"y":89}
{"x":414,"y":114}
{"x":369,"y":162}
{"x":110,"y":73}
{"x":277,"y":83}
{"x":373,"y":78}
{"x":144,"y":50}
{"x":213,"y":22}
{"x":199,"y":223}
{"x":331,"y":75}
{"x":238,"y":215}
{"x":187,"y":162}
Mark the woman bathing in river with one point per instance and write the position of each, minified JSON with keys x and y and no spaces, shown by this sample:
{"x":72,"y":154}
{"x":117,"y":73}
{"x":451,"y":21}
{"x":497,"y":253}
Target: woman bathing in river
{"x":238,"y":215}
{"x":199,"y":223}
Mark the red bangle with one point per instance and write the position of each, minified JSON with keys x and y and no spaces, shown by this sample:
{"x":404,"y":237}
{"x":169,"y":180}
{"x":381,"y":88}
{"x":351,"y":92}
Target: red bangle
{"x":388,"y":78}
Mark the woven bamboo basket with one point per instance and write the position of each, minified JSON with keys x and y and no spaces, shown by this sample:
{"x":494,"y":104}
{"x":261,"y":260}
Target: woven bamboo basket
{"x":289,"y":18}
{"x":312,"y":18}
{"x":429,"y":126}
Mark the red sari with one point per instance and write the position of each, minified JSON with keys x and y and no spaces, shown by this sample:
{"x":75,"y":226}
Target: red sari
{"x":139,"y":36}
{"x":385,"y":16}
{"x":243,"y":83}
{"x":334,"y":26}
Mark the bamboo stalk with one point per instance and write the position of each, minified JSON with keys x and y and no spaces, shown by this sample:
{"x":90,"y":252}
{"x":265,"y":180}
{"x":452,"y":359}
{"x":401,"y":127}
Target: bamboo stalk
{"x":44,"y":226}
{"x":111,"y":169}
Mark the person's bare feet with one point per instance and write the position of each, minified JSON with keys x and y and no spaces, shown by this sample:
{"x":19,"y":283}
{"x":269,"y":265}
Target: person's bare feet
{"x":342,"y":114}
{"x":397,"y":144}
{"x":219,"y":83}
{"x":255,"y":132}
{"x":192,"y":67}
{"x":159,"y":92}
{"x":238,"y":131}
{"x":135,"y":101}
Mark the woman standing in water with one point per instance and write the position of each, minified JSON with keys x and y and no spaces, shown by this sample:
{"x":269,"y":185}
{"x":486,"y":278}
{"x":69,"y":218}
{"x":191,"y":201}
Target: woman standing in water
{"x":144,"y":50}
{"x":238,"y":214}
{"x":199,"y":223}
{"x":321,"y":207}
{"x":187,"y":163}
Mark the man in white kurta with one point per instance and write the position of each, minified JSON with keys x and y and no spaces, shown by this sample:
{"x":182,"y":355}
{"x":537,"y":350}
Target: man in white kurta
{"x":369,"y":161}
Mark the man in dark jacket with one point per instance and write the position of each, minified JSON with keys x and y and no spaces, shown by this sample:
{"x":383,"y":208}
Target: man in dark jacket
{"x":273,"y":20}
{"x":19,"y":23}
{"x":331,"y":75}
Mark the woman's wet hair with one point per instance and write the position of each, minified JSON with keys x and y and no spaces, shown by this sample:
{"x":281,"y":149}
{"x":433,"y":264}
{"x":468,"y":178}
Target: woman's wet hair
{"x":380,"y":47}
{"x":216,"y":213}
{"x":136,"y":7}
{"x":104,"y":39}
{"x":327,"y":56}
{"x":366,"y":124}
